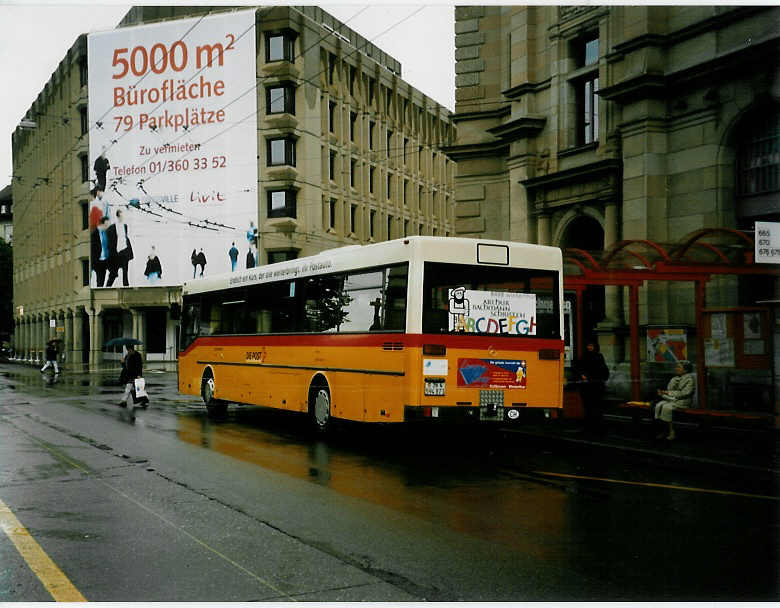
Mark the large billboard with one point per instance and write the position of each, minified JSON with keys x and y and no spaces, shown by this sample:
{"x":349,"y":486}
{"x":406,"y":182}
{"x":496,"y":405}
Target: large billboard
{"x":172,"y":150}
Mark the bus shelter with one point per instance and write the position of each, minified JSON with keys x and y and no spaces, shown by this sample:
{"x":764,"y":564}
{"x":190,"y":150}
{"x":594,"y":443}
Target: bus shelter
{"x":697,"y":258}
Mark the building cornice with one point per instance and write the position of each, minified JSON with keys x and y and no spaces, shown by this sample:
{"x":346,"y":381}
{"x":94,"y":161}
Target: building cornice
{"x":483,"y":115}
{"x":560,"y":178}
{"x":482,"y":150}
{"x":525,"y":88}
{"x":520,"y":128}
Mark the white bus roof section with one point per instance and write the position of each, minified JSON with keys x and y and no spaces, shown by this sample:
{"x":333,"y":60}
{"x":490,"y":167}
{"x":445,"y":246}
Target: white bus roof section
{"x":413,"y":249}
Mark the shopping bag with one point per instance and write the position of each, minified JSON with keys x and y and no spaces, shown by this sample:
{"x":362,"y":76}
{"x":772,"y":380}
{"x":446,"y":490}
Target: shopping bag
{"x":139,"y":391}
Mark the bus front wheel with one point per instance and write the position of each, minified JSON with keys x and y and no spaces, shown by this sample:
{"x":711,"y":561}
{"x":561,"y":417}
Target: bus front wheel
{"x":215,"y":407}
{"x":319,"y":407}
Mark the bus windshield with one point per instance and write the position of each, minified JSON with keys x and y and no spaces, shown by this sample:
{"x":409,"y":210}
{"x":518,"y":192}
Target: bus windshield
{"x":482,"y":300}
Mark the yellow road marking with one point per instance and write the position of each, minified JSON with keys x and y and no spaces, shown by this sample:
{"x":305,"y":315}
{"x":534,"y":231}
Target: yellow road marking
{"x":57,"y":454}
{"x":657,"y":485}
{"x":55,"y":581}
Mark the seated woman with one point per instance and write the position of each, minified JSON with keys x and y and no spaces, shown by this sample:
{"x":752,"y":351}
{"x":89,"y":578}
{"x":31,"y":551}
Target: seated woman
{"x":678,"y":395}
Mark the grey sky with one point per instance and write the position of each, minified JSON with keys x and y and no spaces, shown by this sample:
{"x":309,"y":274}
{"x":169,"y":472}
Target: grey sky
{"x":34,"y":37}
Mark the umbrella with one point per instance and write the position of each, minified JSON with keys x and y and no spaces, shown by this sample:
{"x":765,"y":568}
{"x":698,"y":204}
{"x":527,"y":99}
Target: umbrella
{"x":122,"y":341}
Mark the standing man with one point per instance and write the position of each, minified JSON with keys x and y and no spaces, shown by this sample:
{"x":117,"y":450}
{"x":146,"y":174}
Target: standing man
{"x":233,"y":253}
{"x":119,"y":245}
{"x":101,"y":168}
{"x":99,"y":251}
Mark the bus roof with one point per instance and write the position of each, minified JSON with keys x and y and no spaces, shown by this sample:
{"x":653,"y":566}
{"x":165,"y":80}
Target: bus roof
{"x":454,"y":250}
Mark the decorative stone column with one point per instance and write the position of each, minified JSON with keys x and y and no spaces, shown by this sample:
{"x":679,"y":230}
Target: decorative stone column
{"x":77,"y":357}
{"x":543,"y":229}
{"x":95,"y":338}
{"x":610,"y":342}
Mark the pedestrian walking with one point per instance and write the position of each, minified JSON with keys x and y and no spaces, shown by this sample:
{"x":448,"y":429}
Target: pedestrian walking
{"x":51,"y":357}
{"x":133,"y":367}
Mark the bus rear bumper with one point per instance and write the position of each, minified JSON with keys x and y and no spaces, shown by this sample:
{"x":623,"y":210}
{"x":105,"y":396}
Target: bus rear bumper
{"x":467,"y":414}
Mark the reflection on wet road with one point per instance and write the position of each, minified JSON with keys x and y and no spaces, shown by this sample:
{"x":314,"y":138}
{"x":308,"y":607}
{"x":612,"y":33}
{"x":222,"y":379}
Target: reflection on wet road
{"x":429,"y":476}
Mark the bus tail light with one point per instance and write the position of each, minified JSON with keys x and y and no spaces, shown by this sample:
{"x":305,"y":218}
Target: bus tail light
{"x":437,"y":350}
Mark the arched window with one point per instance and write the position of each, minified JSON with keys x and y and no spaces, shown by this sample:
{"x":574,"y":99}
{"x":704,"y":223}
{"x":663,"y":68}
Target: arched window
{"x":758,"y":155}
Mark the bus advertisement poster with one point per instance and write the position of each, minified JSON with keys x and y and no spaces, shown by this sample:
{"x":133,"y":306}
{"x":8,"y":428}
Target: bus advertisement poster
{"x":172,"y":123}
{"x":492,"y":312}
{"x":492,"y":373}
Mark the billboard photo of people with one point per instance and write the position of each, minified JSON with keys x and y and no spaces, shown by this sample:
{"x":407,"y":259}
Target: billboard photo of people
{"x":173,"y":148}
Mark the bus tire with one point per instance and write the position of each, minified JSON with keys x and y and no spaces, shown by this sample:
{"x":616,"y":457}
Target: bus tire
{"x":319,"y":406}
{"x":214,"y":407}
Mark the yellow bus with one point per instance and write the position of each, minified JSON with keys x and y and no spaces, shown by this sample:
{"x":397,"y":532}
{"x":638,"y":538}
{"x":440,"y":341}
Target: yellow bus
{"x":420,"y":328}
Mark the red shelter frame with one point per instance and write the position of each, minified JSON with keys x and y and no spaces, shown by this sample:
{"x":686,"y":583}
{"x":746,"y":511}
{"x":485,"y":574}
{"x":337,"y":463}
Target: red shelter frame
{"x":630,"y":263}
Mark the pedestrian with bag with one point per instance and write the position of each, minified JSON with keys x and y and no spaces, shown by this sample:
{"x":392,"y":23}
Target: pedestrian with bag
{"x":132,"y":370}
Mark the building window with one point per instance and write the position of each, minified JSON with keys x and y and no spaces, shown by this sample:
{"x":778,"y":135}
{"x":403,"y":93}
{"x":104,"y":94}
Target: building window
{"x":371,"y":91}
{"x":332,"y":165}
{"x":84,"y":167}
{"x":406,"y":187}
{"x":280,"y":99}
{"x":389,"y":183}
{"x":419,"y":197}
{"x":281,"y":151}
{"x":758,"y":155}
{"x":84,"y":214}
{"x":83,"y":73}
{"x":388,"y":100}
{"x":352,"y":218}
{"x":419,"y":157}
{"x":331,"y":67}
{"x":84,"y":121}
{"x":406,"y":228}
{"x":371,"y":221}
{"x":586,"y":53}
{"x":406,"y":143}
{"x":352,"y":171}
{"x":371,"y":126}
{"x":352,"y":121}
{"x":420,"y":229}
{"x":282,"y":203}
{"x":332,"y":213}
{"x":332,"y":116}
{"x":389,"y":227}
{"x":352,"y":75}
{"x":84,"y":272}
{"x":389,"y":141}
{"x":280,"y":46}
{"x":588,"y":110}
{"x":282,"y":256}
{"x":371,"y":171}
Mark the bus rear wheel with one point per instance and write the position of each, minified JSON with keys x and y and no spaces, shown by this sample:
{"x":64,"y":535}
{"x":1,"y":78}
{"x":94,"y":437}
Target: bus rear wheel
{"x":319,"y":407}
{"x":215,"y":407}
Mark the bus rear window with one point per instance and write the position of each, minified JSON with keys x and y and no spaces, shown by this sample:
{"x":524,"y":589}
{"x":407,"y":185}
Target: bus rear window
{"x":482,"y":300}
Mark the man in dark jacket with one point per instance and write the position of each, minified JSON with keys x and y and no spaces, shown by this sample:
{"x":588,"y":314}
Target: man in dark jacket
{"x":133,"y":368}
{"x":120,"y":250}
{"x":592,"y":374}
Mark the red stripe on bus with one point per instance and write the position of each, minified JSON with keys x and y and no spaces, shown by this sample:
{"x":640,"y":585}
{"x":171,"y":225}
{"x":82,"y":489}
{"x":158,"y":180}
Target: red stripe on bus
{"x":378,"y":340}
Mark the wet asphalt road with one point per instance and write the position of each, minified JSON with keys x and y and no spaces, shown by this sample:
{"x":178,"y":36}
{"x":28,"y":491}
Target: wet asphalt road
{"x":165,"y":504}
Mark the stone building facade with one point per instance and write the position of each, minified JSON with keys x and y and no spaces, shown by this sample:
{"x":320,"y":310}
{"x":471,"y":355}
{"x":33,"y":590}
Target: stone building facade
{"x":363,"y":163}
{"x":581,"y":126}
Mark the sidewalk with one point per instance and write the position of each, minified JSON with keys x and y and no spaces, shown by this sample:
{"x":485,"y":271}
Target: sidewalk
{"x":721,"y":447}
